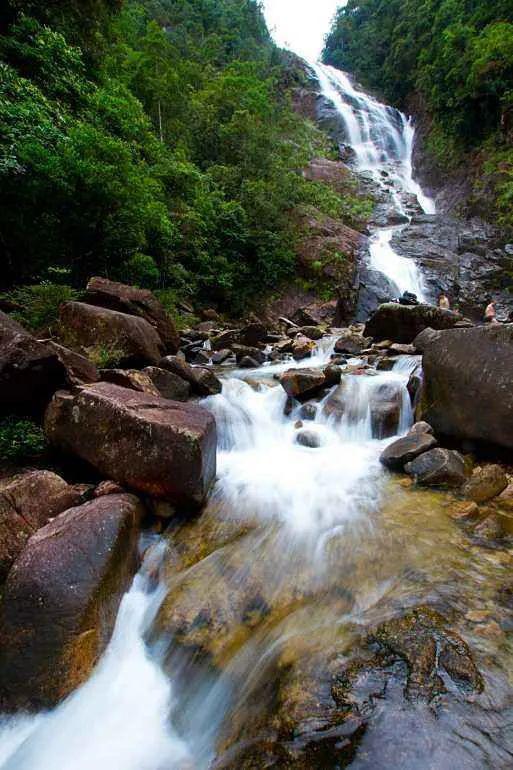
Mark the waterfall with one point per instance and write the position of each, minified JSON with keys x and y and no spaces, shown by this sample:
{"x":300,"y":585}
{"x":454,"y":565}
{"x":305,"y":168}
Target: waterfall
{"x":381,"y":139}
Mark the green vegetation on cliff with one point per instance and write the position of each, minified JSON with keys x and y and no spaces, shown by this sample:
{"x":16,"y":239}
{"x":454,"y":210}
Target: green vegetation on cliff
{"x":457,"y":55}
{"x":151,"y":141}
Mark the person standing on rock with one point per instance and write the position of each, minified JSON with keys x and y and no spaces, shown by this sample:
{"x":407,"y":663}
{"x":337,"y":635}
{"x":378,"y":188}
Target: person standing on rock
{"x":443,"y":302}
{"x":490,"y":314}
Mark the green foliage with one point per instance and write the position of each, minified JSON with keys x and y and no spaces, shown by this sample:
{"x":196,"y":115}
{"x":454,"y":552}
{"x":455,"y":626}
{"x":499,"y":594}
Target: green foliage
{"x":458,"y":54}
{"x":105,"y":355}
{"x":21,"y":440}
{"x":38,"y":306}
{"x":154,"y":145}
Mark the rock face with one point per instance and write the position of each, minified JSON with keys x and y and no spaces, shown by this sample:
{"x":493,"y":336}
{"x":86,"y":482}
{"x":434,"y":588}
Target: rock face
{"x":30,"y":371}
{"x":79,"y":369}
{"x":163,"y":448}
{"x":303,"y":383}
{"x":27,"y":502}
{"x":406,"y":449}
{"x":402,"y":323}
{"x":136,"y":302}
{"x":61,"y":600}
{"x":129,"y":339}
{"x":467,"y":389}
{"x":438,"y":468}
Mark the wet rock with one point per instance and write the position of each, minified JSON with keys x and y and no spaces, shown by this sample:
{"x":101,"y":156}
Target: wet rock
{"x":308,"y":412}
{"x":202,"y":357}
{"x":438,"y":468}
{"x":220,"y":356}
{"x":248,"y":363}
{"x":27,"y":502}
{"x":350,"y":342}
{"x":130,"y":340}
{"x":385,"y":404}
{"x":290,"y":405}
{"x":308,"y":438}
{"x":302,"y":383}
{"x":485,"y":483}
{"x":421,"y":638}
{"x":398,"y":349}
{"x":245,"y":351}
{"x":225,"y":339}
{"x":406,"y":449}
{"x":79,"y":369}
{"x":163,"y":448}
{"x":414,"y":387}
{"x":108,"y":488}
{"x":335,"y":405}
{"x":421,"y":427}
{"x":61,"y":599}
{"x":168,"y":385}
{"x":466,"y":512}
{"x":312,"y":332}
{"x":130,"y":378}
{"x":302,"y":348}
{"x":403,"y":323}
{"x":467,"y":390}
{"x":202,"y":380}
{"x":135,"y":302}
{"x":332,"y":375}
{"x":30,"y":371}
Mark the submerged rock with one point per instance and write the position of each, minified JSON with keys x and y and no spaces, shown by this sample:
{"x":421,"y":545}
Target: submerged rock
{"x":61,"y":599}
{"x":438,"y":468}
{"x":403,"y":323}
{"x":163,"y":448}
{"x":467,"y":391}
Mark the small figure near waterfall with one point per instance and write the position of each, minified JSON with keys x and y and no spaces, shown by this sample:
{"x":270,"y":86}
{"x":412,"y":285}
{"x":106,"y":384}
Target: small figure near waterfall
{"x":490,"y":314}
{"x":443,"y":302}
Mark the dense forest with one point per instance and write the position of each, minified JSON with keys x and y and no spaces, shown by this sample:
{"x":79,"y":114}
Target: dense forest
{"x":150,"y":141}
{"x":457,"y":55}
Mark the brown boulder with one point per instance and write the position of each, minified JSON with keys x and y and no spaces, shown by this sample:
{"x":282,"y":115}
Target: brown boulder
{"x":302,"y":348}
{"x":130,"y":340}
{"x":30,"y":371}
{"x":302,"y":383}
{"x":79,"y":369}
{"x":351,"y":343}
{"x":163,"y":448}
{"x":438,"y":468}
{"x":202,"y":379}
{"x":467,"y":391}
{"x":485,"y":483}
{"x":169,"y":385}
{"x":130,"y":378}
{"x":136,"y":302}
{"x":406,"y":449}
{"x":61,"y":599}
{"x":27,"y":502}
{"x":252,"y":334}
{"x":402,"y":323}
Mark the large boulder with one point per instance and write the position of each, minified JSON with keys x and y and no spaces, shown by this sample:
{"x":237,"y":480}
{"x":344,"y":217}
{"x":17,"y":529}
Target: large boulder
{"x":30,"y":371}
{"x":79,"y":369}
{"x":137,"y":302}
{"x":467,"y":391}
{"x":169,"y":385}
{"x":61,"y":599}
{"x":127,"y":339}
{"x":350,"y":342}
{"x":406,"y":449}
{"x":485,"y":483}
{"x":130,"y":378}
{"x":402,"y":323}
{"x":438,"y":468}
{"x":164,"y":448}
{"x":303,"y":383}
{"x":27,"y":502}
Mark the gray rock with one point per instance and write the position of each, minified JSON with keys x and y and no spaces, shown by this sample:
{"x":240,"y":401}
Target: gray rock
{"x":438,"y":468}
{"x":406,"y":449}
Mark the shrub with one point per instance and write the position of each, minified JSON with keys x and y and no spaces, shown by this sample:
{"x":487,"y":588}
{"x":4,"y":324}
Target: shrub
{"x":38,"y":306}
{"x":20,"y":440}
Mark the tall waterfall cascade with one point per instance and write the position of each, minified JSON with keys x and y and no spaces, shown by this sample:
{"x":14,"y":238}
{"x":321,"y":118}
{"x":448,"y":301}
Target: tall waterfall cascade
{"x":381,"y":139}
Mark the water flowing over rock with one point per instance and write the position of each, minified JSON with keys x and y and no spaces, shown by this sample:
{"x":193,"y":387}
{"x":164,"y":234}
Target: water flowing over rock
{"x":163,"y":448}
{"x":467,"y":390}
{"x":61,"y":600}
{"x":136,"y":302}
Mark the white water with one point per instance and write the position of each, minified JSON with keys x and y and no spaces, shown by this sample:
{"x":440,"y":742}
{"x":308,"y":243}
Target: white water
{"x":382,"y":139}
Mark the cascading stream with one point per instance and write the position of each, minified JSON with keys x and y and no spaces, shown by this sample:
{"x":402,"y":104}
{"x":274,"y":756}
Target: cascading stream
{"x":381,"y":139}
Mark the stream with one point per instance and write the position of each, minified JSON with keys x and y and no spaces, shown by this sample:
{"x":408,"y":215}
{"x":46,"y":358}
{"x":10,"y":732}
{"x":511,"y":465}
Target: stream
{"x":228,"y":659}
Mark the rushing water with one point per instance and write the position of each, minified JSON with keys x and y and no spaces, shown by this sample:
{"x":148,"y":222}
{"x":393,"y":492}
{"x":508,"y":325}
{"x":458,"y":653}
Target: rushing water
{"x":299,"y":553}
{"x":381,"y":139}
